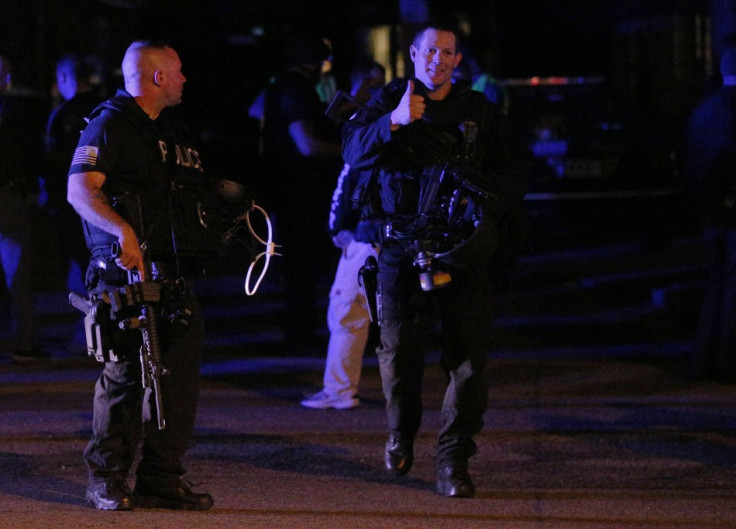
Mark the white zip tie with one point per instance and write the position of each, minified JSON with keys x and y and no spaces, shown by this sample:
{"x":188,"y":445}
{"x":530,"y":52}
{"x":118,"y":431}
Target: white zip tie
{"x":270,"y":250}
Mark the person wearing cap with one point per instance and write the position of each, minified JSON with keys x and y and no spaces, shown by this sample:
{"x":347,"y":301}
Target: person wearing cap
{"x":301,"y":153}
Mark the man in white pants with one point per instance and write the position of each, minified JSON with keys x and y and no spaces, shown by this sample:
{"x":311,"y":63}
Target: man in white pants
{"x":348,"y":319}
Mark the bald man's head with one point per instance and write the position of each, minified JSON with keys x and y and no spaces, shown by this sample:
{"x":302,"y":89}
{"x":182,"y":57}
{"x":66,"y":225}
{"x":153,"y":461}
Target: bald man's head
{"x":141,"y":61}
{"x":152,"y":74}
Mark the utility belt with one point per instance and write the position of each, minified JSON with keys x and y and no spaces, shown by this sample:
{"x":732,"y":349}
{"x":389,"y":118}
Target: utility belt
{"x":118,"y":308}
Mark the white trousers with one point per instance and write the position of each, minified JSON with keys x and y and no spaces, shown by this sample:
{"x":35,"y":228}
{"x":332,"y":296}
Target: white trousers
{"x":348,"y":322}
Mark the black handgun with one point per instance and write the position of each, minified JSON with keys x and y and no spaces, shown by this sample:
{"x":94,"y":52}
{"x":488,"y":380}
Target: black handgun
{"x":368,"y":281}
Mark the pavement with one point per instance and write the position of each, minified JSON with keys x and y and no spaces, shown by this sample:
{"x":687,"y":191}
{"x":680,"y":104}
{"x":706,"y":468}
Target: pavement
{"x":591,"y":423}
{"x":572,"y":443}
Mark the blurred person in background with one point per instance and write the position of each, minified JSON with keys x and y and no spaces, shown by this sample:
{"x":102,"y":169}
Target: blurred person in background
{"x":301,"y":155}
{"x":64,"y":126}
{"x":348,"y":319}
{"x":21,"y":154}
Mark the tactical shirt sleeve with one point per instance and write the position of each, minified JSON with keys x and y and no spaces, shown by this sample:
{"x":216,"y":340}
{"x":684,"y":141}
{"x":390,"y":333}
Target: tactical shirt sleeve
{"x":367,"y":135}
{"x":107,"y":145}
{"x":96,"y":150}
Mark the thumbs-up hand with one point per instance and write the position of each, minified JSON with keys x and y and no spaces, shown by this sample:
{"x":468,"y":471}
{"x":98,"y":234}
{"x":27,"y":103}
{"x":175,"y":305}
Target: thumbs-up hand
{"x":410,"y":108}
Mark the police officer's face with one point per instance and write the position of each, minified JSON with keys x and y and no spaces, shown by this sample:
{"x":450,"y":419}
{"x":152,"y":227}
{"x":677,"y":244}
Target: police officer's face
{"x":435,"y":57}
{"x":65,"y":83}
{"x":173,"y":78}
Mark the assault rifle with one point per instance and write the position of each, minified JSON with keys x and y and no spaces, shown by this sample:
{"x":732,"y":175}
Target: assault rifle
{"x":101,"y":312}
{"x":144,"y":295}
{"x":449,"y":204}
{"x":430,"y":148}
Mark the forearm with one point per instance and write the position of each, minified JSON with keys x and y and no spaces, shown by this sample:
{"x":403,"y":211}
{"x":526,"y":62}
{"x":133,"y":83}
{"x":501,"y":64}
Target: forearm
{"x":318,"y":148}
{"x":84,"y":193}
{"x":309,"y":144}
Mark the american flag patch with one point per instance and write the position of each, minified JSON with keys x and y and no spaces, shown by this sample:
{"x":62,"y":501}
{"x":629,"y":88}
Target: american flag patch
{"x":85,"y":155}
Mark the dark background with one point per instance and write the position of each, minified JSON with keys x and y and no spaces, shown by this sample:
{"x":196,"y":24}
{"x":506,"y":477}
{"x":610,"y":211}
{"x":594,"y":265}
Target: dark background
{"x":576,"y":286}
{"x":659,"y":55}
{"x":658,"y":58}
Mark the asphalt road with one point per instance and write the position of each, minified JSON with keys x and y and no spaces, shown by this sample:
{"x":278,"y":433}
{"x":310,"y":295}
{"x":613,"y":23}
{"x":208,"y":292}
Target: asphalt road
{"x":591,"y":422}
{"x":569,"y":443}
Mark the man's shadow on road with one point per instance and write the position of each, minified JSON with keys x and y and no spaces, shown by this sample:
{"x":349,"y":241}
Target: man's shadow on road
{"x":32,"y":476}
{"x":281,"y":453}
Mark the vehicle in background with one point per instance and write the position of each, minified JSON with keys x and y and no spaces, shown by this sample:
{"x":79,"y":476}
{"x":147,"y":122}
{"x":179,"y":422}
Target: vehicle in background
{"x":600,"y":165}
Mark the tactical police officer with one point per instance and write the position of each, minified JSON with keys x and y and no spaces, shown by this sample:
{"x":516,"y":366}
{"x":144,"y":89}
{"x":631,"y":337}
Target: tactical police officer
{"x":402,"y":134}
{"x":129,"y":158}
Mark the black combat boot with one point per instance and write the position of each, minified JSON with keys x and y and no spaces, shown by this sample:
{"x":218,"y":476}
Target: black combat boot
{"x":176,"y":494}
{"x":399,"y":454}
{"x":453,"y":480}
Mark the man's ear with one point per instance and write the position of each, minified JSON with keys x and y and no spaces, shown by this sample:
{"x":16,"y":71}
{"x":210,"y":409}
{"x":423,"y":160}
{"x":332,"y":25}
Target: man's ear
{"x":412,"y":52}
{"x":158,"y":77}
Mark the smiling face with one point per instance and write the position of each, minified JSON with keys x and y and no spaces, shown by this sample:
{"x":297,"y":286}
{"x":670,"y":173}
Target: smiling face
{"x":435,"y":56}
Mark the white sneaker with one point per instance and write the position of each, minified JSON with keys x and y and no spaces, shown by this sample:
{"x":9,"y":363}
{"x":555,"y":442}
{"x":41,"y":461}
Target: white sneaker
{"x":323,"y":400}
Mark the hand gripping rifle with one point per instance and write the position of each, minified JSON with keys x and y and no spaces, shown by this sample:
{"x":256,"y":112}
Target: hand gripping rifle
{"x":101,"y":310}
{"x":143,"y":294}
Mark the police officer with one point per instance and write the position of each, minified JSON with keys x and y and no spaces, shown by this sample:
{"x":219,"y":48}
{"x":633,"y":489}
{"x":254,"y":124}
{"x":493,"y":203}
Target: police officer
{"x":132,"y":147}
{"x":301,"y":152}
{"x":421,"y":108}
{"x":63,"y":127}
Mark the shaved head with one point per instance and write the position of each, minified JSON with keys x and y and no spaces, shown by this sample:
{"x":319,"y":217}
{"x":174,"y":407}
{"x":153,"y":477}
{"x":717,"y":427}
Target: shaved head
{"x":141,"y":61}
{"x":152,"y":74}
